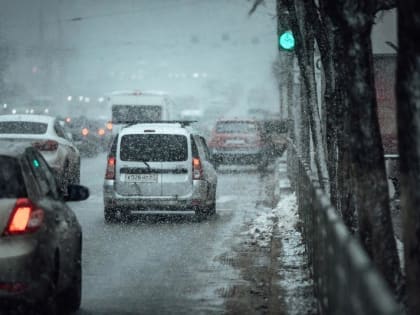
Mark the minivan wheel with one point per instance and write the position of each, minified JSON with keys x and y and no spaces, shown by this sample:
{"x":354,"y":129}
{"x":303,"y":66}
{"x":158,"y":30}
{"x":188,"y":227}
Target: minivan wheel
{"x":109,"y":215}
{"x":205,"y":211}
{"x":211,"y":210}
{"x":201,"y":213}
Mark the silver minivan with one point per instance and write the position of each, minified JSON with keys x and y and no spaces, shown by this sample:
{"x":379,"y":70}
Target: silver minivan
{"x":158,"y":166}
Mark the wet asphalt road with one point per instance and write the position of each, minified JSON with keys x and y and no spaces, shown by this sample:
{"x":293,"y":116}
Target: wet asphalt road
{"x":161,"y":265}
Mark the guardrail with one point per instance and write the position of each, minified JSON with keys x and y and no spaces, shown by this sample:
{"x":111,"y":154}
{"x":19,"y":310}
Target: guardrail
{"x":345,"y":280}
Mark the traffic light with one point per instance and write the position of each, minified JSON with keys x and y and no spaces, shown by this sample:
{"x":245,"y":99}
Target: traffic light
{"x":286,"y":41}
{"x":285,"y":38}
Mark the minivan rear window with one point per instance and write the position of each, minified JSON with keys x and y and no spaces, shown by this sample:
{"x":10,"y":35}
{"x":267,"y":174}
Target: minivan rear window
{"x":154,"y":148}
{"x":11,"y":180}
{"x":23,"y":127}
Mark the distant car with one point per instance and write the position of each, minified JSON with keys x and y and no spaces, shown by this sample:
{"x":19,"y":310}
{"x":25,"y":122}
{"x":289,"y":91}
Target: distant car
{"x":238,"y":142}
{"x":49,"y":137}
{"x":159,"y":166}
{"x":91,"y":136}
{"x":40,"y":237}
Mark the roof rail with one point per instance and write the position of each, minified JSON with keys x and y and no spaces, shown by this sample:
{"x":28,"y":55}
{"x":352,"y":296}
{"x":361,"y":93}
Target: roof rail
{"x":183,"y":123}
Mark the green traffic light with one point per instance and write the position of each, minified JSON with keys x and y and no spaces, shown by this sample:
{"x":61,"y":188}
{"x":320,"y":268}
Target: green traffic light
{"x":287,"y":40}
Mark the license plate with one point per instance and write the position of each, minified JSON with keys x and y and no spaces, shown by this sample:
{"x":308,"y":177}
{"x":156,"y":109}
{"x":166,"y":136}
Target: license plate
{"x":141,"y":178}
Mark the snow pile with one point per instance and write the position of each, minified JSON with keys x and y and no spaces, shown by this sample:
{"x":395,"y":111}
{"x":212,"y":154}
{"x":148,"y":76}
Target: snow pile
{"x":286,"y":212}
{"x":295,"y":280}
{"x":261,"y":229}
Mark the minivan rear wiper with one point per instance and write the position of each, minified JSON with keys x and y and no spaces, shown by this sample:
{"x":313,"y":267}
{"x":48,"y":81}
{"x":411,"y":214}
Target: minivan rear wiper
{"x":148,"y":166}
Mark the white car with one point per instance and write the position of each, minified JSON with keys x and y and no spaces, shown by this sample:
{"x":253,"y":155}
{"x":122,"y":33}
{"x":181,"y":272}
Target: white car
{"x":159,"y":166}
{"x":48,"y":136}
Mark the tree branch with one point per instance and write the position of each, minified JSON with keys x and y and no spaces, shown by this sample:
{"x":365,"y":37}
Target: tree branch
{"x":255,"y":6}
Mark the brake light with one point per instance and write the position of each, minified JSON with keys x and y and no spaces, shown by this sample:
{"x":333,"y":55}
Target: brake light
{"x":197,"y":169}
{"x":101,"y":131}
{"x":110,"y":168}
{"x":85,"y":131}
{"x":49,"y":145}
{"x":25,"y":218}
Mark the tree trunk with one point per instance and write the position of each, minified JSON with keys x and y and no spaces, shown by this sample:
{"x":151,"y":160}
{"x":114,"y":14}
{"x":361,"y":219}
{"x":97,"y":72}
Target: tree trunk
{"x":301,"y":28}
{"x":369,"y":180}
{"x":408,"y":118}
{"x":305,"y":149}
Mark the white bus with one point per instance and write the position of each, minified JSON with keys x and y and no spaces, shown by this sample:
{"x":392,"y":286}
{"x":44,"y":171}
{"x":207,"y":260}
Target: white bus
{"x":134,"y":106}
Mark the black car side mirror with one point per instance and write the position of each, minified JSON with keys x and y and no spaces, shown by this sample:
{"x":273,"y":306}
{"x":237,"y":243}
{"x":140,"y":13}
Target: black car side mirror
{"x":76,"y":193}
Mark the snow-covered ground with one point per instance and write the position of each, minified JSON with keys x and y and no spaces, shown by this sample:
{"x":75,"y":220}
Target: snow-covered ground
{"x":295,"y":278}
{"x":281,"y":222}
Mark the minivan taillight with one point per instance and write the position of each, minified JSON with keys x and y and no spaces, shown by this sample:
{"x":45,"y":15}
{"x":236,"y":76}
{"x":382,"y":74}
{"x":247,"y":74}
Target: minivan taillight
{"x":110,"y":168}
{"x":197,"y":169}
{"x":25,"y":218}
{"x":49,"y":145}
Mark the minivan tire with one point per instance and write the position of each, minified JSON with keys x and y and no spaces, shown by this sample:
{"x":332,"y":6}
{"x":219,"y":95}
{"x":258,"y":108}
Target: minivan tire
{"x":109,"y":215}
{"x":211,"y":210}
{"x":201,"y":213}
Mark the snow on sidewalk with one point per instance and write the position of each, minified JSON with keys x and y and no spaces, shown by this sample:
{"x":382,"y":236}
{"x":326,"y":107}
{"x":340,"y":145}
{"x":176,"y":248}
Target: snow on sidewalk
{"x":294,"y":273}
{"x":295,"y":281}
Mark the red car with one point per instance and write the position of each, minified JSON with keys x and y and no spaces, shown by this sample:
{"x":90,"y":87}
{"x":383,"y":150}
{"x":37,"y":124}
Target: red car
{"x":238,"y":142}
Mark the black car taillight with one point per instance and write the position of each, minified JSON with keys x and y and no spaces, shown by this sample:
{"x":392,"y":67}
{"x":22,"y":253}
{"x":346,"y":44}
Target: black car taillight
{"x":110,"y":168}
{"x":25,"y":218}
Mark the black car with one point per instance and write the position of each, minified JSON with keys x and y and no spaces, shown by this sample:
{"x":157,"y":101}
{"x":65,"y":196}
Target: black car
{"x":40,"y":236}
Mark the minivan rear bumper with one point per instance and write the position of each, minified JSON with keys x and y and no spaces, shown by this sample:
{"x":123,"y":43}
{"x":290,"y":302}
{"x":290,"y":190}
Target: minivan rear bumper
{"x":197,"y":198}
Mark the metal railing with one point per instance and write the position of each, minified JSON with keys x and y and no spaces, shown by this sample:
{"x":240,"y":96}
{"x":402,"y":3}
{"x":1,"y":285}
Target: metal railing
{"x":345,"y":280}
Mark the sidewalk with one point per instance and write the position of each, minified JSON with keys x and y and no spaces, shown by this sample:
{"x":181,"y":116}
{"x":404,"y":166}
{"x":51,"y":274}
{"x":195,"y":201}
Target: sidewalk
{"x":272,"y":258}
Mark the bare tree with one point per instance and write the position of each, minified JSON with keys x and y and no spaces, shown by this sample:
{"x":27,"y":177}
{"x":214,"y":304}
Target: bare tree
{"x":354,"y":20}
{"x":355,"y":141}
